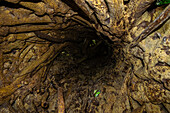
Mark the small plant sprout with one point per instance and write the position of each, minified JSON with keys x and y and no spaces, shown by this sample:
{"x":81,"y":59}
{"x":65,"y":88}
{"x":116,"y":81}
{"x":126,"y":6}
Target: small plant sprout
{"x":96,"y":93}
{"x":94,"y":42}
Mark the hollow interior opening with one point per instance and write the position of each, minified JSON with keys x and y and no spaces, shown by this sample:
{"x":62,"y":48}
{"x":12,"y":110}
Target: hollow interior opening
{"x":87,"y":66}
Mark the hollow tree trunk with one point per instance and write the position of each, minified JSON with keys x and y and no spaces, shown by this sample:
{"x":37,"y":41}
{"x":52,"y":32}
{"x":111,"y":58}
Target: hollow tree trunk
{"x":77,"y":56}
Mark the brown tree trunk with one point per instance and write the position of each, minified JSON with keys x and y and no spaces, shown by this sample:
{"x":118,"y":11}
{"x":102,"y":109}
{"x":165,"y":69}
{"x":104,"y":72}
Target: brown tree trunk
{"x":108,"y":56}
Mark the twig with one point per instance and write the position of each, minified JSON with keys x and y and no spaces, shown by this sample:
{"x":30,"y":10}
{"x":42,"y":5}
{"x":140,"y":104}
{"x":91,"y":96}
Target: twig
{"x":61,"y":108}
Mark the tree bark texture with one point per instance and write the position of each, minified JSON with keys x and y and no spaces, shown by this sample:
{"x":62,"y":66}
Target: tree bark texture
{"x":55,"y":53}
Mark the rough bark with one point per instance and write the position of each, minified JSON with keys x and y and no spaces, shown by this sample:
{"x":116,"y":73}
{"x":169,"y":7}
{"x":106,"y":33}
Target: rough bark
{"x":55,"y":53}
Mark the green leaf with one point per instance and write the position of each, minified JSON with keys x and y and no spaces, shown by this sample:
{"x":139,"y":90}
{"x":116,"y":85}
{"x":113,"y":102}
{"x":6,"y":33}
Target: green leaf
{"x":162,"y":2}
{"x":96,"y":93}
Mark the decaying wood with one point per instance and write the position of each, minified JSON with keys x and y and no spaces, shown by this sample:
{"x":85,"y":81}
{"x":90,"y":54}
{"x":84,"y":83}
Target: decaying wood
{"x":38,"y":37}
{"x":163,"y":17}
{"x":60,"y":102}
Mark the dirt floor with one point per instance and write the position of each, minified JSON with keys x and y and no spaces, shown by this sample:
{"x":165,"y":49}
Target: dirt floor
{"x":92,"y":72}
